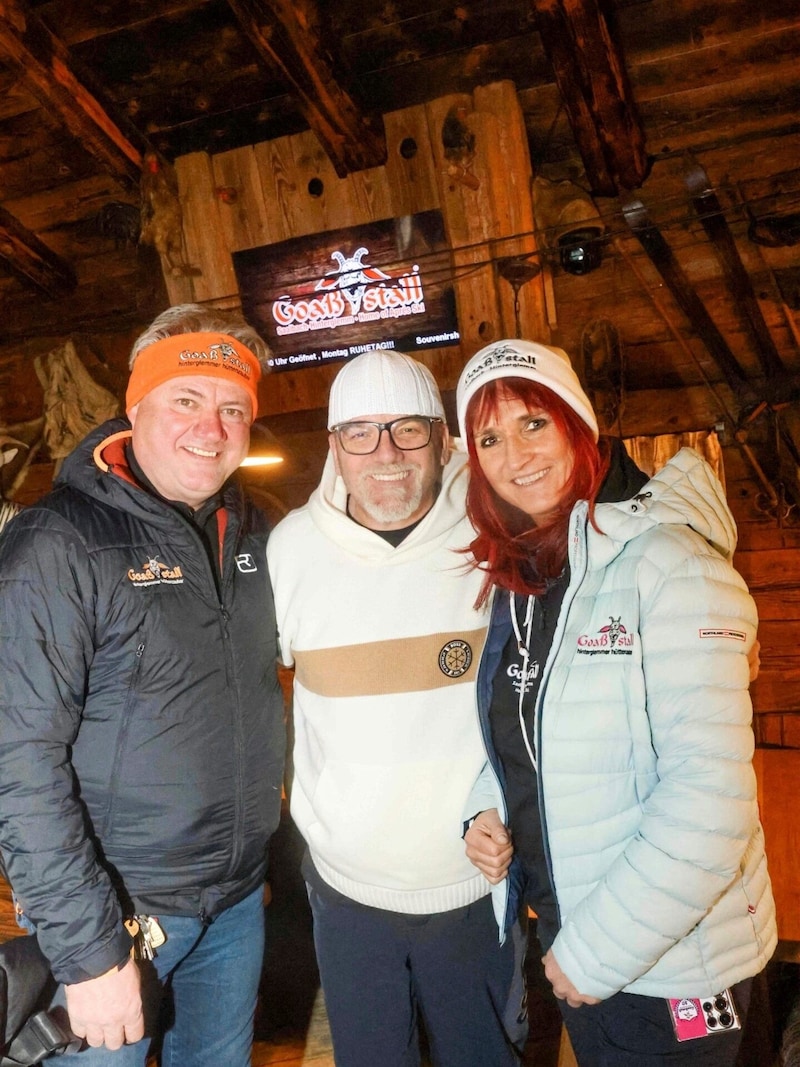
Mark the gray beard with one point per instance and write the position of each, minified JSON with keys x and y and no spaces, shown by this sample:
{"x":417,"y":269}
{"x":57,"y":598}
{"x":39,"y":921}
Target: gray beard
{"x":397,"y":506}
{"x":394,"y":510}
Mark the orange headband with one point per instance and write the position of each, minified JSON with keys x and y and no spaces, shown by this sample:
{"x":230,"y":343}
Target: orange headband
{"x":214,"y":355}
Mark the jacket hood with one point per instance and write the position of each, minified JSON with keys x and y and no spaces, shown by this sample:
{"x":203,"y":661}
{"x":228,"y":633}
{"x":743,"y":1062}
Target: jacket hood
{"x":623,"y":479}
{"x":81,"y":470}
{"x":327,"y":507}
{"x":685,"y":492}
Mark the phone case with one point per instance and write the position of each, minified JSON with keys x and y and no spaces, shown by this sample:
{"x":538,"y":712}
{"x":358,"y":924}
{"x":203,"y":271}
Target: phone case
{"x":694,"y":1017}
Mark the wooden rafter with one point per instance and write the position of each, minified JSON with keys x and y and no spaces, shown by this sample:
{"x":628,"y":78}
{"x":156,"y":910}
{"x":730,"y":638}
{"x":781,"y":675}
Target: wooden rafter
{"x":709,"y":211}
{"x":592,"y":79}
{"x":42,"y":63}
{"x":663,"y":258}
{"x":31,"y":260}
{"x":286,"y":34}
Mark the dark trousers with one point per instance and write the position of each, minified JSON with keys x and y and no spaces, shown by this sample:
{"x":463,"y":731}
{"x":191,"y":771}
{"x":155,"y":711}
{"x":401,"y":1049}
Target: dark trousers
{"x":633,"y":1031}
{"x":381,"y":971}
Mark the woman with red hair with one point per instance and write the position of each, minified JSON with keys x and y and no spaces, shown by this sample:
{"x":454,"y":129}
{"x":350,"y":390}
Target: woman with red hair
{"x":619,"y":799}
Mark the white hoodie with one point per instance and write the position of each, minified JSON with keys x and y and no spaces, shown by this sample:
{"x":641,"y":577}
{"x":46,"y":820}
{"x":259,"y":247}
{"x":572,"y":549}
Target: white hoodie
{"x":385,"y":643}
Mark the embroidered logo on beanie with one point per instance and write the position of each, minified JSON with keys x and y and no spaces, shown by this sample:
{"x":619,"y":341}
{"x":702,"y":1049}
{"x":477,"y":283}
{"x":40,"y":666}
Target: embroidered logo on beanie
{"x":501,"y":355}
{"x":511,"y":358}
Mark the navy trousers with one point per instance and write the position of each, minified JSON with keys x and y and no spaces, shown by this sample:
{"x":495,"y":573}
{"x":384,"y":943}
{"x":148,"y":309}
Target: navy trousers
{"x":382,"y":971}
{"x":633,"y":1031}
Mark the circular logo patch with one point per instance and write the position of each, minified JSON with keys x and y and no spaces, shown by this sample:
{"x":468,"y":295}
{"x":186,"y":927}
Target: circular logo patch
{"x":455,"y":658}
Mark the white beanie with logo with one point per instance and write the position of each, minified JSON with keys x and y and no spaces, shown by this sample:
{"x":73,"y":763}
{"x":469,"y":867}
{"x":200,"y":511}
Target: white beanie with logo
{"x":383,"y":382}
{"x":547,"y":366}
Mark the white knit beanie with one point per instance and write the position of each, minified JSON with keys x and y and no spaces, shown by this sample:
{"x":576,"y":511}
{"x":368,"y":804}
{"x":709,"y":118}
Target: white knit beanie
{"x":383,"y":382}
{"x":523,"y":359}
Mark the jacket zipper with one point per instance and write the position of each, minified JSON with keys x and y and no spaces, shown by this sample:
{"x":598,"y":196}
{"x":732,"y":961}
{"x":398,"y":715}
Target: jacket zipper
{"x":489,"y":749}
{"x":108,"y":816}
{"x":218,"y":584}
{"x":574,"y":584}
{"x":225,"y":581}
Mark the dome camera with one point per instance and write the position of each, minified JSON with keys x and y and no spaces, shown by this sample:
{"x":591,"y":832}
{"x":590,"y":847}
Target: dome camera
{"x":580,"y":250}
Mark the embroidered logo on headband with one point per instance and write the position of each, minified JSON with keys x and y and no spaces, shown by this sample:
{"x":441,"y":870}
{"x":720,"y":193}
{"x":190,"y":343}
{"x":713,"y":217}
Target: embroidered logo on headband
{"x":217,"y":355}
{"x":503,"y":356}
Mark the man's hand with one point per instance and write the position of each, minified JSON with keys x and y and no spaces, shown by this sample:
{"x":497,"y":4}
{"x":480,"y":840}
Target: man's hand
{"x":562,"y":987}
{"x":489,"y":846}
{"x":107,"y":1010}
{"x":754,"y":660}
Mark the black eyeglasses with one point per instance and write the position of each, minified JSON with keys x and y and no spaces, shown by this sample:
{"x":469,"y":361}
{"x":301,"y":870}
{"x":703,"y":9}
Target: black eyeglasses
{"x":408,"y":434}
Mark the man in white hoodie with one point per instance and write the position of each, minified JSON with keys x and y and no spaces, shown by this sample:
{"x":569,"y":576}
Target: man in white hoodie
{"x":375,"y":612}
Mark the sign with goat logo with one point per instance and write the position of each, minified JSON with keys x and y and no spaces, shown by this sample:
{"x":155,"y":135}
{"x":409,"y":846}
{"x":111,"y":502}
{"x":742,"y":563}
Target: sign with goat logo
{"x":329,"y":296}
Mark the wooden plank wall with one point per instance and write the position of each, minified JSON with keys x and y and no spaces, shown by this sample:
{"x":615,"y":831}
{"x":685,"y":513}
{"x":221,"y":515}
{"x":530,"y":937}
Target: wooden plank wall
{"x":778,"y":774}
{"x":768,"y":558}
{"x":262,"y":194}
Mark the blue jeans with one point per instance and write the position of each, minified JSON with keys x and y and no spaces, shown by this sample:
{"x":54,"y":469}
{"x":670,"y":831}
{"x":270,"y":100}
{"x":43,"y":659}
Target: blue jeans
{"x":199,"y":994}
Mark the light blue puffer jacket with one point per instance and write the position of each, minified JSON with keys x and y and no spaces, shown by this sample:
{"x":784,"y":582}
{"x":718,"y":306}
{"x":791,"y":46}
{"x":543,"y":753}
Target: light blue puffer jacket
{"x":644,"y":744}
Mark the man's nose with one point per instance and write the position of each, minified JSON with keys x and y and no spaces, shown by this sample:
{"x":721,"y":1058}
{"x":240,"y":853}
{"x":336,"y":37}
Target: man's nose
{"x":386,"y":446}
{"x":209,"y":424}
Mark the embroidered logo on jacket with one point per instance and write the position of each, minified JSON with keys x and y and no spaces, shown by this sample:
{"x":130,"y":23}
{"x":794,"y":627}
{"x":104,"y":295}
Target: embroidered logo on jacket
{"x":520,"y":678}
{"x":611,"y":640}
{"x":246,"y":563}
{"x":455,"y":658}
{"x":154,"y":572}
{"x":733,"y":635}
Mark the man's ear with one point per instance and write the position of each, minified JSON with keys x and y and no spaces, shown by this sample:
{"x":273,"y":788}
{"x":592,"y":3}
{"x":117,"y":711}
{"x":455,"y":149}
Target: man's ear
{"x":131,"y":413}
{"x":446,"y":446}
{"x":334,"y":453}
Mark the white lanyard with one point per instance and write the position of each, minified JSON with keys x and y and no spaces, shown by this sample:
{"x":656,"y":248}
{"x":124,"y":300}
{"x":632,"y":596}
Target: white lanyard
{"x":524,"y":651}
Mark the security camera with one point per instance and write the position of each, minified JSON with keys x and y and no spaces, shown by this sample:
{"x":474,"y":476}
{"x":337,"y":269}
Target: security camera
{"x":580,"y":251}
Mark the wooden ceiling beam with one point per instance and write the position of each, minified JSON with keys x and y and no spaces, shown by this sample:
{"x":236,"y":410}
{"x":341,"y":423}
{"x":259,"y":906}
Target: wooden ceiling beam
{"x":286,"y":33}
{"x":663,"y":259}
{"x":592,"y":79}
{"x":42,"y":63}
{"x":711,"y":216}
{"x":78,"y":23}
{"x":32,"y":261}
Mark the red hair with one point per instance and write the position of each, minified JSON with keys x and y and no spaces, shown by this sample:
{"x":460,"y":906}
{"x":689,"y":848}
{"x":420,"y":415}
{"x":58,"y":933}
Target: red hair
{"x":510,"y":548}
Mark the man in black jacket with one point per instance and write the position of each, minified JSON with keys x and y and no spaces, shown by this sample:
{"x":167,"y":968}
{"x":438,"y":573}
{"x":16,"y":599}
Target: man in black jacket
{"x":141,"y":719}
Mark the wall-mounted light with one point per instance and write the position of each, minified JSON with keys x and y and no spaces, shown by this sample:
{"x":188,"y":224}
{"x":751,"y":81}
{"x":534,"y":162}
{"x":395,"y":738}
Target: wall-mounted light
{"x":266,"y":448}
{"x":261,"y":461}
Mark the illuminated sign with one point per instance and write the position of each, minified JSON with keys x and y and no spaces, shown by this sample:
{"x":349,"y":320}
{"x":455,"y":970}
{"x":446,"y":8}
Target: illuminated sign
{"x":330,"y":296}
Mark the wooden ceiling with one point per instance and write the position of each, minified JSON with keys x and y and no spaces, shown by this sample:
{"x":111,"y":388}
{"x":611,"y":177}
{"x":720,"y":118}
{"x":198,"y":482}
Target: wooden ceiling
{"x":679,"y":118}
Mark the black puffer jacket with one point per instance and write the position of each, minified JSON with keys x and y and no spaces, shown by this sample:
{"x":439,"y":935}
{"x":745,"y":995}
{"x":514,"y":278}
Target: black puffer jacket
{"x":141,"y":719}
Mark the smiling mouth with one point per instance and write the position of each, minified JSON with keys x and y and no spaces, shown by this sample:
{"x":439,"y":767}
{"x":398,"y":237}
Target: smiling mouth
{"x":202,"y":452}
{"x":396,"y":476}
{"x":531,"y":479}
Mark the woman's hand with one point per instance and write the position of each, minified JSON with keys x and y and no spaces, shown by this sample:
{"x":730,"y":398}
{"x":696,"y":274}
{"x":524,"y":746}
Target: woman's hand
{"x":489,"y":846}
{"x":562,"y":987}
